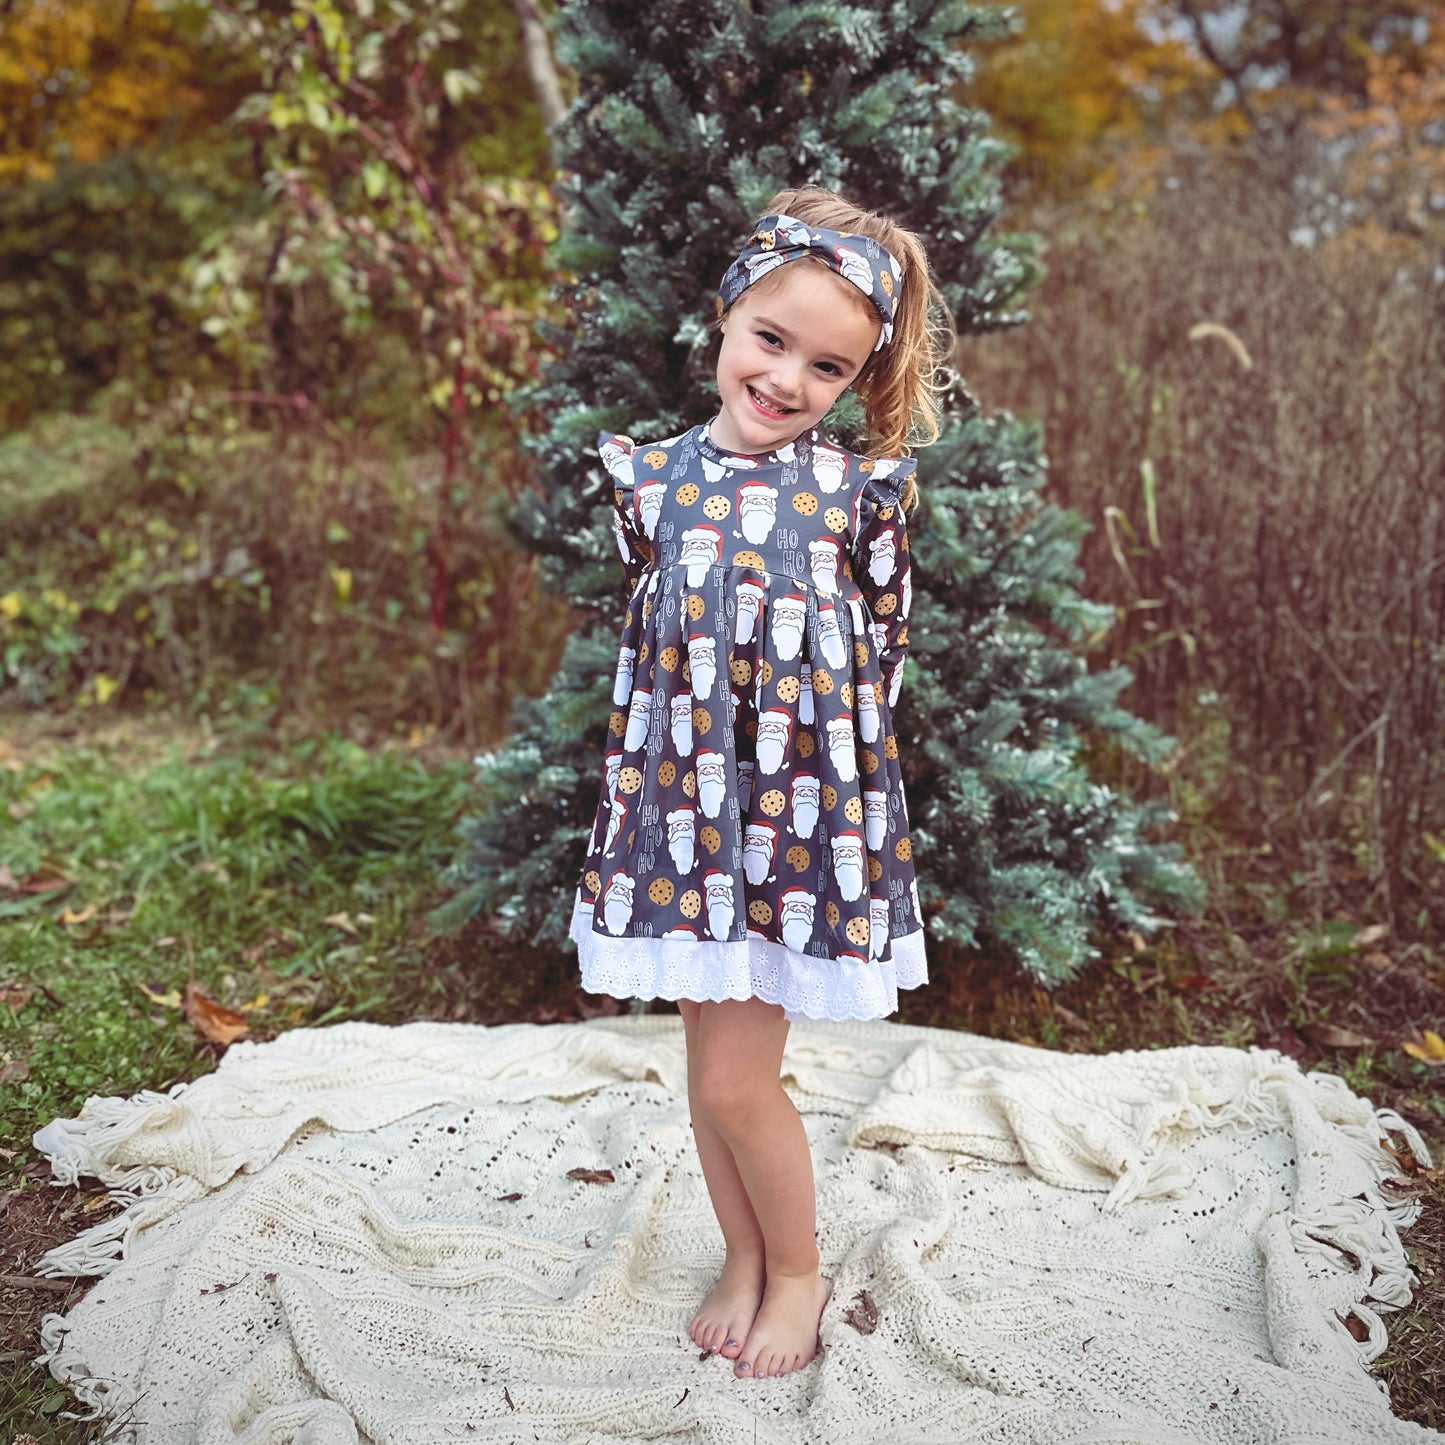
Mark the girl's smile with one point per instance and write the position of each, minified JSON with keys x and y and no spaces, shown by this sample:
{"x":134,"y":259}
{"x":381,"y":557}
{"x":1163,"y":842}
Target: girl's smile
{"x":791,"y":345}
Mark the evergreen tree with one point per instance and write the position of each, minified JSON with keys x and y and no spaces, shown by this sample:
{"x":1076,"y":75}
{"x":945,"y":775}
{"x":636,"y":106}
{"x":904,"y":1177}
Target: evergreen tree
{"x":691,"y":113}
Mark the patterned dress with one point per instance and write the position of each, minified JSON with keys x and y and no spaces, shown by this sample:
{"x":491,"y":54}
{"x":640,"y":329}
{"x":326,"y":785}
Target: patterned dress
{"x":751,"y":839}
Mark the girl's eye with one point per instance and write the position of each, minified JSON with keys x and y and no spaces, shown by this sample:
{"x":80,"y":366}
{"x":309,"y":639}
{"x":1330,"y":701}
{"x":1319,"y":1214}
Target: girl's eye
{"x":829,"y":369}
{"x":770,"y":338}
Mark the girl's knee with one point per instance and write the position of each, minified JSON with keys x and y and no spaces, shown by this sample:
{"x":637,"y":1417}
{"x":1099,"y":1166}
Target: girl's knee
{"x":730,"y":1095}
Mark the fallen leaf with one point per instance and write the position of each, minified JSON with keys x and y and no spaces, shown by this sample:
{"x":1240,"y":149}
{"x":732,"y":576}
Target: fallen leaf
{"x":1429,"y":1049}
{"x":1197,"y":982}
{"x":91,"y":1205}
{"x":211,"y":1020}
{"x":1069,"y":1018}
{"x":8,"y":881}
{"x":592,"y":1176}
{"x":17,"y":1069}
{"x":508,"y":1198}
{"x":169,"y":941}
{"x":1378,"y":961}
{"x":162,"y":997}
{"x":21,"y":811}
{"x":1332,"y":1036}
{"x":1369,"y":937}
{"x":13,"y":996}
{"x":260,"y":1001}
{"x":70,"y":917}
{"x":1358,"y":1329}
{"x":862,"y":1314}
{"x":343,"y":922}
{"x":216,"y":870}
{"x":45,"y":882}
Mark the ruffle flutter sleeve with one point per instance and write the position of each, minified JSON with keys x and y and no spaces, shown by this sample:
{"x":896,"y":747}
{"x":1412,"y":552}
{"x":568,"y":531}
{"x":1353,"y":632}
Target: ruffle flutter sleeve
{"x":616,"y":453}
{"x":881,"y":564}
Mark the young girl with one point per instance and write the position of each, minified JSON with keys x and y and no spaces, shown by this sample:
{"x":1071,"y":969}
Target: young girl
{"x":750,"y":856}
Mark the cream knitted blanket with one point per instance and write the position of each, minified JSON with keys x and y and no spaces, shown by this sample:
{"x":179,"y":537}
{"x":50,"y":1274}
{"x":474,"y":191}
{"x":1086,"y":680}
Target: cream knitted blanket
{"x":442,"y":1232}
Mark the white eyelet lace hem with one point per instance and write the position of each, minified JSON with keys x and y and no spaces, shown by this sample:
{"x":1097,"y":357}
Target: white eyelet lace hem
{"x":805,"y":987}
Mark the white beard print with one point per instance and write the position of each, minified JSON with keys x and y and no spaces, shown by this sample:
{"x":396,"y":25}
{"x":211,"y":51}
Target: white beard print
{"x":789,"y":616}
{"x":848,"y":865}
{"x":760,"y":846}
{"x":702,"y":664}
{"x":626,"y":665}
{"x":757,"y":510}
{"x":805,"y":804}
{"x":880,"y":636}
{"x":882,"y":558}
{"x":720,"y":911}
{"x":745,"y":785}
{"x":682,"y":839}
{"x":775,"y":727}
{"x":895,"y":685}
{"x":614,"y":823}
{"x":842,"y":749}
{"x":829,"y":468}
{"x":913,"y":898}
{"x":867,"y":701}
{"x":637,"y":719}
{"x":797,"y":917}
{"x":682,"y":724}
{"x":761,"y":263}
{"x":617,"y":904}
{"x":649,"y":504}
{"x":750,"y":603}
{"x":878,"y":919}
{"x":682,"y":931}
{"x":823,"y":557}
{"x":830,"y":638}
{"x":875,"y":817}
{"x":885,"y":467}
{"x":712,"y":785}
{"x":905,"y":594}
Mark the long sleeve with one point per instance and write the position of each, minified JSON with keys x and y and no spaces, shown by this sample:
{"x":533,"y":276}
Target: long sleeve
{"x":616,"y":452}
{"x":881,"y":566}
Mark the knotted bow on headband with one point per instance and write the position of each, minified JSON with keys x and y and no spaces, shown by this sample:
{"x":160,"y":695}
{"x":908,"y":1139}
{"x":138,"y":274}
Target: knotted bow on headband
{"x":778,"y":239}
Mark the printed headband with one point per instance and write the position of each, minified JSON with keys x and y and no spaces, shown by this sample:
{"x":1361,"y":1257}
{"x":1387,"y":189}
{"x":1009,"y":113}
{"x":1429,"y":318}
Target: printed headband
{"x":778,"y":239}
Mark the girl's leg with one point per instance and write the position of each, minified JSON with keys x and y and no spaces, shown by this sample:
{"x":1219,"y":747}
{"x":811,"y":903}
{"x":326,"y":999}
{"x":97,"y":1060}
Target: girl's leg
{"x":737,"y":1092}
{"x":726,"y":1315}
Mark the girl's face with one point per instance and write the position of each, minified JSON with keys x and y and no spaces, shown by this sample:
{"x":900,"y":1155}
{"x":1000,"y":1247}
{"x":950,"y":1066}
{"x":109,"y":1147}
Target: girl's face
{"x":791,"y":345}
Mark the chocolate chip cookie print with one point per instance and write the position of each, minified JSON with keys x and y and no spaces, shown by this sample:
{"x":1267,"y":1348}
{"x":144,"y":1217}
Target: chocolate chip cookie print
{"x":751,"y":838}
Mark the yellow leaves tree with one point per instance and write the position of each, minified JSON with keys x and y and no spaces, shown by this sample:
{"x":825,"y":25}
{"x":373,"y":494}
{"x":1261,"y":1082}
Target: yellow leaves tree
{"x":82,"y":79}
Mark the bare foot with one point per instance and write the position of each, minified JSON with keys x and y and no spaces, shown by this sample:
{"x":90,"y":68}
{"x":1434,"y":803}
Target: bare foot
{"x":726,"y":1315}
{"x":784,"y":1337}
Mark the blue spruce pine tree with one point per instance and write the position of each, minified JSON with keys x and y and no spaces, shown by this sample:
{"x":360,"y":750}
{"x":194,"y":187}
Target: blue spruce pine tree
{"x":691,"y":114}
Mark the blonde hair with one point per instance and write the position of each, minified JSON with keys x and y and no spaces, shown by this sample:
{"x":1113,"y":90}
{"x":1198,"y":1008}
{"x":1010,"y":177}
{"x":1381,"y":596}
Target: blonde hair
{"x":900,"y":384}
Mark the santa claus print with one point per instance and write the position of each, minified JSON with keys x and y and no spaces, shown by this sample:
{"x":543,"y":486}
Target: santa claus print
{"x":805,"y":804}
{"x":618,"y":461}
{"x":789,"y":617}
{"x":842,"y":750}
{"x":882,"y":558}
{"x":682,"y":838}
{"x":702,"y":664}
{"x":848,"y":864}
{"x":760,"y":847}
{"x":721,"y":913}
{"x":867,"y":703}
{"x":805,"y":696}
{"x":617,"y":903}
{"x":750,"y":603}
{"x":626,"y":662}
{"x":638,"y":716}
{"x":712,"y":782}
{"x":830,"y":466}
{"x":682,"y":724}
{"x":775,"y":732}
{"x":824,"y":554}
{"x":875,"y":817}
{"x":852,"y":267}
{"x":649,"y":497}
{"x":878,"y":934}
{"x":701,"y":549}
{"x":830,"y":636}
{"x":618,"y":815}
{"x":757,"y":510}
{"x":796,"y":913}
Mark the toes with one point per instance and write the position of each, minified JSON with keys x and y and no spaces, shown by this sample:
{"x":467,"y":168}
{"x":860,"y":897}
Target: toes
{"x":731,"y":1348}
